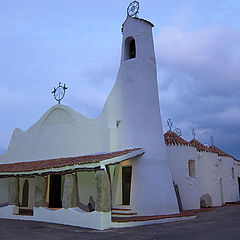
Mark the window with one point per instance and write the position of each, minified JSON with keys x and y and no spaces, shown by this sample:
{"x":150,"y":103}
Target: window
{"x":192,"y":168}
{"x":130,"y":48}
{"x":233,"y":175}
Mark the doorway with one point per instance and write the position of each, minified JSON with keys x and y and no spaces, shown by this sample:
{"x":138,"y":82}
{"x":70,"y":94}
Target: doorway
{"x":239,"y":186}
{"x":25,"y":193}
{"x":126,"y":184}
{"x":55,"y":200}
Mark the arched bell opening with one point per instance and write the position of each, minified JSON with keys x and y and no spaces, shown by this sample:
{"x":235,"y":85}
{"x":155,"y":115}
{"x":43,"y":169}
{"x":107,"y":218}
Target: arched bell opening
{"x":130,"y":48}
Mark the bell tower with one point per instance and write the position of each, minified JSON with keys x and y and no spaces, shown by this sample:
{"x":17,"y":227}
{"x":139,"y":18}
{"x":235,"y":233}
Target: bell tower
{"x":134,"y":101}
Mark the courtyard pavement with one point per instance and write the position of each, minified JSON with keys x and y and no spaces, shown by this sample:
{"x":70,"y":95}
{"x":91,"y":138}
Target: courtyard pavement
{"x":220,"y":223}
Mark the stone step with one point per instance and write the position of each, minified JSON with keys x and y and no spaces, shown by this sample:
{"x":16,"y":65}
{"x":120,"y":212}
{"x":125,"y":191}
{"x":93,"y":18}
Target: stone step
{"x":122,"y":209}
{"x":122,"y":206}
{"x":25,"y":211}
{"x":150,"y":218}
{"x":123,"y":214}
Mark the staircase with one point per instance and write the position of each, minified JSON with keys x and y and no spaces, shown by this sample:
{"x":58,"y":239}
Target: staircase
{"x":122,"y":211}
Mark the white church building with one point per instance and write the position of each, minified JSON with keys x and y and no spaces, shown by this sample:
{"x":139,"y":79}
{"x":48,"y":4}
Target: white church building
{"x":204,"y":176}
{"x":106,"y":172}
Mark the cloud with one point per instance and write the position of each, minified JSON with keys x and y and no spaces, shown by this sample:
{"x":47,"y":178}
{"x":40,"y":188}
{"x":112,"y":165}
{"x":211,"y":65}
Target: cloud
{"x":199,"y":82}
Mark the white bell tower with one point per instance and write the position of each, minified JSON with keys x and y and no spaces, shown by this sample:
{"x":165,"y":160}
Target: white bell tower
{"x":134,"y":102}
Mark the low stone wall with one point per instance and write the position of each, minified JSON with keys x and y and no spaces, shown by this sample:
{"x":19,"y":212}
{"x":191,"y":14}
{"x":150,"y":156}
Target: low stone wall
{"x":70,"y":216}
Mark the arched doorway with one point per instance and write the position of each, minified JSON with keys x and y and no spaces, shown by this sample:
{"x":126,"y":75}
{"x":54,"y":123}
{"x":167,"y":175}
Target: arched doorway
{"x":25,"y":193}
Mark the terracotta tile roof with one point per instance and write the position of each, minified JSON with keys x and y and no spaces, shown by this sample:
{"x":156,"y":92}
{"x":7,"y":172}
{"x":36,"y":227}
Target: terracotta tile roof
{"x":200,"y":147}
{"x":145,"y":21}
{"x":172,"y":138}
{"x":219,"y":151}
{"x":62,"y":162}
{"x":141,"y":19}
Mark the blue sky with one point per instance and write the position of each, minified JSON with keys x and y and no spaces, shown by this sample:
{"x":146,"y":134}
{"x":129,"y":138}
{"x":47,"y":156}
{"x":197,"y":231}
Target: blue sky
{"x":197,"y":46}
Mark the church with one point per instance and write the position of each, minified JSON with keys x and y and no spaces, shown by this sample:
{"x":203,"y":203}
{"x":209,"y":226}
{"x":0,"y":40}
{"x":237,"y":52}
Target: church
{"x":106,"y":172}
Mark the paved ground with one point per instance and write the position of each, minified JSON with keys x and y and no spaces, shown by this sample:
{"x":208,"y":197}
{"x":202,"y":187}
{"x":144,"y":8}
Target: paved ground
{"x":221,"y":224}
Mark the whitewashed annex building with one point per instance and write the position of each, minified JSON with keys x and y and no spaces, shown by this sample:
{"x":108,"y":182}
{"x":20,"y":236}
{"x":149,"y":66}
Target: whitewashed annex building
{"x":73,"y":170}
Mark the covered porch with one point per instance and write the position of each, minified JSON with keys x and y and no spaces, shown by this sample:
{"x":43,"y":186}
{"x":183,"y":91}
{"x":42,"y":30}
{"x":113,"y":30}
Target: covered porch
{"x":78,"y":191}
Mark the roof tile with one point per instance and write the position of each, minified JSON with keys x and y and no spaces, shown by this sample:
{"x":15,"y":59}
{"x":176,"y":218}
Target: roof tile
{"x":61,"y":162}
{"x":219,"y":151}
{"x":172,"y":138}
{"x":200,"y":147}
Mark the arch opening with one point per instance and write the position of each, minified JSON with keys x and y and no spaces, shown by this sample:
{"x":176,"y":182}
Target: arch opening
{"x":25,"y":194}
{"x":130,"y":48}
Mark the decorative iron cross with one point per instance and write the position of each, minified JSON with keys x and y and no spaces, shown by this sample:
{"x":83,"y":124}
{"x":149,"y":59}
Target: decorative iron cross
{"x":59,"y":92}
{"x":170,"y":124}
{"x":133,"y":9}
{"x":176,"y":130}
{"x":212,"y":140}
{"x":194,"y":133}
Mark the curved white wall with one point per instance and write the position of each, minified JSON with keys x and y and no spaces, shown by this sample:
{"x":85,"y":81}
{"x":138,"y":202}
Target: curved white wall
{"x":209,"y":177}
{"x":188,"y":186}
{"x":230,"y":185}
{"x":60,"y":132}
{"x":134,"y":100}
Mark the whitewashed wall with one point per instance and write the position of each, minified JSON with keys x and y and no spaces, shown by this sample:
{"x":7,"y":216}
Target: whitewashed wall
{"x":179,"y":156}
{"x":134,"y":101}
{"x":237,"y":171}
{"x":230,"y":185}
{"x":209,"y":176}
{"x":60,"y":132}
{"x":116,"y":183}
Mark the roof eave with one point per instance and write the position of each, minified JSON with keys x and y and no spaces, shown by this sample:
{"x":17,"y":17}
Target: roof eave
{"x":78,"y":167}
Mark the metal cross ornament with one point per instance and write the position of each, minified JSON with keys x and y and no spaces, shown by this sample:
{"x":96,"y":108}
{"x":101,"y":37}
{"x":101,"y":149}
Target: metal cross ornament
{"x":170,"y":124}
{"x":176,"y":130}
{"x":212,"y":140}
{"x":59,"y":92}
{"x":133,"y":9}
{"x":194,"y":133}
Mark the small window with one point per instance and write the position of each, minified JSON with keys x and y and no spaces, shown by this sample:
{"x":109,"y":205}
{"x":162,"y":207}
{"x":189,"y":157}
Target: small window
{"x":192,"y":168}
{"x":233,"y":174}
{"x":130,"y":48}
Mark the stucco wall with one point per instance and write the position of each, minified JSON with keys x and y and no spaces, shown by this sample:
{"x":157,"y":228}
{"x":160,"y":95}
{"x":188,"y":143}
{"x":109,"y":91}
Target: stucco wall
{"x":60,"y":132}
{"x":134,"y":101}
{"x":230,"y":185}
{"x":86,"y":186}
{"x":188,"y":187}
{"x":237,"y":171}
{"x":209,"y":176}
{"x":3,"y":190}
{"x":116,"y":184}
{"x":70,"y":216}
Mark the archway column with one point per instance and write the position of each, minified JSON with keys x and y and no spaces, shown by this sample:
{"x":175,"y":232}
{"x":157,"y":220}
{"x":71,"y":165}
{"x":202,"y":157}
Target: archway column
{"x":13,"y":191}
{"x":103,"y":196}
{"x":40,"y":191}
{"x":70,"y":192}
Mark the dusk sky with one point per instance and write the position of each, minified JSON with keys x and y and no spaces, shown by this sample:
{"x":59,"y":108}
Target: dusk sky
{"x":197,"y":45}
